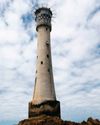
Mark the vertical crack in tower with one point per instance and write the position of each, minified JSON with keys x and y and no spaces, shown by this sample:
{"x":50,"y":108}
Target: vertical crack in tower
{"x":44,"y":98}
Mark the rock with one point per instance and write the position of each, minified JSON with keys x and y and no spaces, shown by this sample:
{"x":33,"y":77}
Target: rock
{"x":49,"y":120}
{"x":84,"y":123}
{"x":92,"y":121}
{"x":42,"y":120}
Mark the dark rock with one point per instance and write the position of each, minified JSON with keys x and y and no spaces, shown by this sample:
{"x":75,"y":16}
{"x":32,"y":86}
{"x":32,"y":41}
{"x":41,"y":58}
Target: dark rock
{"x":92,"y":121}
{"x":50,"y":120}
{"x":84,"y":123}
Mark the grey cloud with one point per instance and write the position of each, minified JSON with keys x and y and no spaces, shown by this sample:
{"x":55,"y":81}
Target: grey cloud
{"x":94,"y":12}
{"x":4,"y":6}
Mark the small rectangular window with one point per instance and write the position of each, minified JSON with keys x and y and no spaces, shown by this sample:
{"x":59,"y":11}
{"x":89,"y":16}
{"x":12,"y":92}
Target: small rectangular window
{"x":48,"y":70}
{"x":47,"y":43}
{"x":41,"y":62}
{"x":47,"y":56}
{"x":35,"y":79}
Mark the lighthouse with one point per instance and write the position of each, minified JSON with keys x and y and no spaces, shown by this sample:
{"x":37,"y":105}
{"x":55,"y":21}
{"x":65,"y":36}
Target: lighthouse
{"x":44,"y":100}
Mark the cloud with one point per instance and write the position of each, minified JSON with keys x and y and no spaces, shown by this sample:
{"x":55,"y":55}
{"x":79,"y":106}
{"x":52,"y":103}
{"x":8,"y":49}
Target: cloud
{"x":75,"y":47}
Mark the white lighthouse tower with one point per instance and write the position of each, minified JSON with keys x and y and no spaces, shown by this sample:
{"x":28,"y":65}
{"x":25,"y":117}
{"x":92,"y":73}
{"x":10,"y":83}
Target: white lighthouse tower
{"x":44,"y":98}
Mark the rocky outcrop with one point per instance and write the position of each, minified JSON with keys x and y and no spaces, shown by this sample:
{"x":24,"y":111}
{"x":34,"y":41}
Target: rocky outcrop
{"x":91,"y":121}
{"x":42,"y":120}
{"x":49,"y":120}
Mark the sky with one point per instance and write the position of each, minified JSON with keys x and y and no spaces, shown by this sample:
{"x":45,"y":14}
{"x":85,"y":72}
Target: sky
{"x":75,"y":40}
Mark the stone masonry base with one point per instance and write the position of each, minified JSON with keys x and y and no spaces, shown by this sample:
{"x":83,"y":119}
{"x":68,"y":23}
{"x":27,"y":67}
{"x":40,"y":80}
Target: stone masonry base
{"x":49,"y":108}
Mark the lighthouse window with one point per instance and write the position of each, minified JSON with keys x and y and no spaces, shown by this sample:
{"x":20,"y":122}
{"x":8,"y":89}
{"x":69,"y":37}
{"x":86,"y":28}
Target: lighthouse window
{"x":46,"y":28}
{"x":48,"y":70}
{"x":47,"y":43}
{"x":36,"y":71}
{"x":41,"y":62}
{"x":35,"y":79}
{"x":47,"y":56}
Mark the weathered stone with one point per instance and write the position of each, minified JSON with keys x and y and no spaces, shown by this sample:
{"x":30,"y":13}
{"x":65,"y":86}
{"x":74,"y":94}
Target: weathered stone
{"x":49,"y":120}
{"x":50,"y":108}
{"x":42,"y":120}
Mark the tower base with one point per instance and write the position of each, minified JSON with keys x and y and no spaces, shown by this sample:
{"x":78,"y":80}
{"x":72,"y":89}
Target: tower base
{"x":50,"y":108}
